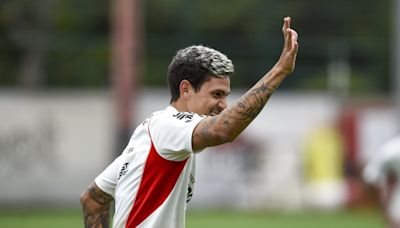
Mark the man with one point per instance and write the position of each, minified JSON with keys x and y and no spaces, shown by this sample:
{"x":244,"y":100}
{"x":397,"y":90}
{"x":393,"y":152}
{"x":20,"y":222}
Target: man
{"x":152,"y":180}
{"x":383,"y":172}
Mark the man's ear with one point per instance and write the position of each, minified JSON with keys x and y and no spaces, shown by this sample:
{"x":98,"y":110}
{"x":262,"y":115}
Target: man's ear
{"x":185,"y":88}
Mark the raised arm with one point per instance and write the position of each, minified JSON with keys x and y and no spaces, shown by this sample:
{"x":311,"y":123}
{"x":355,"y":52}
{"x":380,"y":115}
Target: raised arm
{"x":96,"y":207}
{"x":225,"y":127}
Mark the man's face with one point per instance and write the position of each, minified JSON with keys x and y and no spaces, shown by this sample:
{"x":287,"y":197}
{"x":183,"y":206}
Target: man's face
{"x":211,"y":98}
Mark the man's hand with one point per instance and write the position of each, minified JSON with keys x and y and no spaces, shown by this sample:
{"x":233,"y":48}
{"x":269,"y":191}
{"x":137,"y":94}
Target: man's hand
{"x":286,"y":62}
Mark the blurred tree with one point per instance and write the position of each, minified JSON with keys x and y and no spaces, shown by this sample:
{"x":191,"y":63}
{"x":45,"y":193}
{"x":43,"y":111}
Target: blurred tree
{"x":27,"y":28}
{"x":249,"y":32}
{"x":66,"y":43}
{"x":54,"y":43}
{"x":80,"y":54}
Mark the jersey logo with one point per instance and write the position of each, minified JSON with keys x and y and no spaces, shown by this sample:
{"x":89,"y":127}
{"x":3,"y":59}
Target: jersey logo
{"x":190,"y":189}
{"x":187,"y":116}
{"x":124,"y":170}
{"x":189,"y":194}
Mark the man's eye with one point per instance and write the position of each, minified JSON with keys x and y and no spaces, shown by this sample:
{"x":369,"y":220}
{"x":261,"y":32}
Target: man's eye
{"x":217,"y":95}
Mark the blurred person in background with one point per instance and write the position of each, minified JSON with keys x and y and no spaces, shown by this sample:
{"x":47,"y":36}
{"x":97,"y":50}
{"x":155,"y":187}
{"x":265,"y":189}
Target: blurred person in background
{"x":323,"y":169}
{"x":382,"y":172}
{"x":152,"y":181}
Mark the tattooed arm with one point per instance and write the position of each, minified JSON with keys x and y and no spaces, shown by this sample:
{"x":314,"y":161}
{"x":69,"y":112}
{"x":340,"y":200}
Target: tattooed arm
{"x":225,"y":127}
{"x":96,"y":207}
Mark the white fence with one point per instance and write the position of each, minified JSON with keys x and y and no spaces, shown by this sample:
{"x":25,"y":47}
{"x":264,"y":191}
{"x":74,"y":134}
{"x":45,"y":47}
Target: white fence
{"x":53,"y":144}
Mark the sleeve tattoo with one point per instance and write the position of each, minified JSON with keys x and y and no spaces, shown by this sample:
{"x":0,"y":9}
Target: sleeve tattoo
{"x":247,"y":108}
{"x":238,"y":116}
{"x":252,"y":103}
{"x":97,"y":212}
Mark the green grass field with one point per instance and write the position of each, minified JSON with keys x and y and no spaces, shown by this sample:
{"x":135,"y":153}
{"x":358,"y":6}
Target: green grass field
{"x":343,"y":219}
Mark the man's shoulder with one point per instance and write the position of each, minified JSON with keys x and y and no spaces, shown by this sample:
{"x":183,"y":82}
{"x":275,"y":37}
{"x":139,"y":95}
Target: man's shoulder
{"x":173,"y":115}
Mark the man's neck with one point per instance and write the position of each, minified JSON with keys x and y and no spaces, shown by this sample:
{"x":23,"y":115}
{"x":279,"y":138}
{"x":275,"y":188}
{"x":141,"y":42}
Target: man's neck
{"x":179,"y":106}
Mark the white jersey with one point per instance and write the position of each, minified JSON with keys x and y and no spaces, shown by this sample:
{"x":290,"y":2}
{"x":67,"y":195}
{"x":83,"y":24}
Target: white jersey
{"x":385,"y":160}
{"x":153,"y":179}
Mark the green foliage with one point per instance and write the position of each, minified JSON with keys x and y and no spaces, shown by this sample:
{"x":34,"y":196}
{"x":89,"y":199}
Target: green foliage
{"x":59,"y":43}
{"x":249,"y":33}
{"x":54,"y":43}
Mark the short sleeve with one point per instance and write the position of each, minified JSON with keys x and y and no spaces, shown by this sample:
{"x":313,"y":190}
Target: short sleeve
{"x":372,"y":173}
{"x":171,"y":134}
{"x":385,"y":159}
{"x":107,"y":180}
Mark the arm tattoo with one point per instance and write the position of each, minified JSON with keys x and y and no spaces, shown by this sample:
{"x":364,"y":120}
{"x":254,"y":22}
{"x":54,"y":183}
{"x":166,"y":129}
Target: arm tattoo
{"x":98,"y":195}
{"x":97,"y":220}
{"x":226,"y":126}
{"x":237,"y":117}
{"x":252,"y":103}
{"x":97,"y":214}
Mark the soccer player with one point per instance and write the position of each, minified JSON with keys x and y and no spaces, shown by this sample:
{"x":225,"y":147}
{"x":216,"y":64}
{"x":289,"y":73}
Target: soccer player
{"x":152,"y":180}
{"x":383,"y":172}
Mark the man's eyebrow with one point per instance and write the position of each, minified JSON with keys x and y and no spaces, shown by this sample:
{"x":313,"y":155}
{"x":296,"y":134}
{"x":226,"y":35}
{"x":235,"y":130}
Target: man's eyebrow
{"x":226,"y":93}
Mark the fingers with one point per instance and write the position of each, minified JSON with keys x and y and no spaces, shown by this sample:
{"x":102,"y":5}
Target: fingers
{"x":292,"y":43}
{"x":285,"y":27}
{"x":288,"y":56}
{"x":294,"y":35}
{"x":295,"y":48}
{"x":288,"y":38}
{"x":286,"y":24}
{"x":290,"y":35}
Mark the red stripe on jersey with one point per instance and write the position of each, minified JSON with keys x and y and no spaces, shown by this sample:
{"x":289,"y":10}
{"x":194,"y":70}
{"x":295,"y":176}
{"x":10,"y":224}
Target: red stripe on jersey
{"x":159,"y":178}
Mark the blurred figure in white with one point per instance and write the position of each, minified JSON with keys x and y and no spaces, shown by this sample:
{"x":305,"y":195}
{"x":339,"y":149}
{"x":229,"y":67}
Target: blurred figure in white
{"x":382,"y":172}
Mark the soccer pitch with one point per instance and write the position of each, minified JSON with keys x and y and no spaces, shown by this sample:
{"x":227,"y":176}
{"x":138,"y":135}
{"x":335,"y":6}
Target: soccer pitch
{"x":220,"y":219}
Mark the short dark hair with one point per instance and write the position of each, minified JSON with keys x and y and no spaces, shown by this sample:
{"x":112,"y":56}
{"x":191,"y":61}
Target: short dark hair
{"x":196,"y":64}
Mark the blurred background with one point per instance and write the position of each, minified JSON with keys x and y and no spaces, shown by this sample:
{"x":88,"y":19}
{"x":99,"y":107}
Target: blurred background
{"x":76,"y":77}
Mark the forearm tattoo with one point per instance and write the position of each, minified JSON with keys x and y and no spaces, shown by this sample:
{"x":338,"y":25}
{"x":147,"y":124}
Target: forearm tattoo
{"x":233,"y":120}
{"x":243,"y":112}
{"x":98,"y":217}
{"x":238,"y":116}
{"x":97,"y":220}
{"x":98,"y":195}
{"x":252,"y":103}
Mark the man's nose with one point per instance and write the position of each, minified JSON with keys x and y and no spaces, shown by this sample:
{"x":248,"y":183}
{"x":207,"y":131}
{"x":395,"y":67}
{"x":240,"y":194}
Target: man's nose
{"x":222,"y":104}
